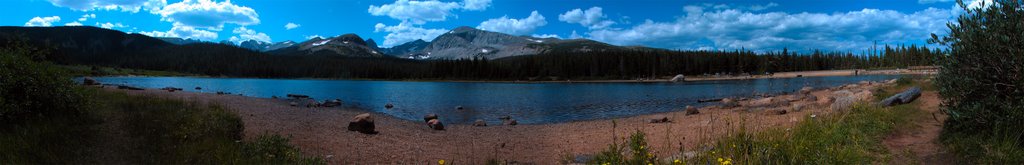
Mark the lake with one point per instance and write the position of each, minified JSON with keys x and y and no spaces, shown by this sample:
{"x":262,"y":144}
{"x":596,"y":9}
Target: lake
{"x":529,"y":103}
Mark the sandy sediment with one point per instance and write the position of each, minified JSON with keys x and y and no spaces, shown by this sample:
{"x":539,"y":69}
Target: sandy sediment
{"x":322,"y":131}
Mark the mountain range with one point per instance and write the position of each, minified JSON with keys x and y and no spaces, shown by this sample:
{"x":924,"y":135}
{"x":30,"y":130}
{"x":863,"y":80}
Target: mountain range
{"x":459,"y":43}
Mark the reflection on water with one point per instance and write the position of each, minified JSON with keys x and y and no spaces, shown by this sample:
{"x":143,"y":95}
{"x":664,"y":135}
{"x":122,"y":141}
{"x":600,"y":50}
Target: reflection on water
{"x":526,"y":102}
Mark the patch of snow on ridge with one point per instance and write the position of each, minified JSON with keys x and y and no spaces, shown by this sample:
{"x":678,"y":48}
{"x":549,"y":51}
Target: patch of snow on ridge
{"x":321,"y":42}
{"x":484,"y":50}
{"x":537,"y":41}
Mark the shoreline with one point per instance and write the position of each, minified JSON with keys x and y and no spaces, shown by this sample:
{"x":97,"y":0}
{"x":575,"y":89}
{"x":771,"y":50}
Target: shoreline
{"x":321,"y":131}
{"x":817,"y":73}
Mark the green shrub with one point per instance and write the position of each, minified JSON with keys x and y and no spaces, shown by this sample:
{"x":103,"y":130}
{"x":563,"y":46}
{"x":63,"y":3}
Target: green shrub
{"x":982,"y":83}
{"x":639,"y":152}
{"x":43,"y":116}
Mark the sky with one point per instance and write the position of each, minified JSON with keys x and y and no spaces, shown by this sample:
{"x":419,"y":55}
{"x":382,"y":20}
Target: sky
{"x":760,"y":25}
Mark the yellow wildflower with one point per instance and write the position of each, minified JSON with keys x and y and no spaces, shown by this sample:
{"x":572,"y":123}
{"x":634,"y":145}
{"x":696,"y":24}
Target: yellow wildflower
{"x":727,"y":162}
{"x":441,"y":162}
{"x":677,"y":161}
{"x":720,"y":159}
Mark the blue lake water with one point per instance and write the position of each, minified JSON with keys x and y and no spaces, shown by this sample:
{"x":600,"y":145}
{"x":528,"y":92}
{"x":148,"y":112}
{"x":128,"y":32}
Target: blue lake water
{"x":529,"y":103}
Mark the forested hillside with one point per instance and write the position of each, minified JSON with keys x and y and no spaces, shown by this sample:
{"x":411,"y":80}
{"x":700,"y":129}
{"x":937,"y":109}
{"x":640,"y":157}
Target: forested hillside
{"x":102,"y":47}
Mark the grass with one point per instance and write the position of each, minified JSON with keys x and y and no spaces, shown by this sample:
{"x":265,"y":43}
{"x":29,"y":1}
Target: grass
{"x":144,"y":130}
{"x":853,"y":137}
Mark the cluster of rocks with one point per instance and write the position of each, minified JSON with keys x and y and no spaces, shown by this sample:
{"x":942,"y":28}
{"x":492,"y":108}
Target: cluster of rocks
{"x":309,"y":102}
{"x":837,"y":99}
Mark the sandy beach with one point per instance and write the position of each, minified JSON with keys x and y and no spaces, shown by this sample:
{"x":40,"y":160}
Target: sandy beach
{"x":322,"y":131}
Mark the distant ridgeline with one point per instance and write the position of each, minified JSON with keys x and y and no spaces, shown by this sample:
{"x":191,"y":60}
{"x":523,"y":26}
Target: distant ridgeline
{"x":565,"y":59}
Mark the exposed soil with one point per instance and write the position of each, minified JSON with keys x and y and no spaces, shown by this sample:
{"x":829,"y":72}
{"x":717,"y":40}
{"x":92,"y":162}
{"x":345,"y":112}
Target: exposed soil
{"x":918,"y":143}
{"x":322,"y":131}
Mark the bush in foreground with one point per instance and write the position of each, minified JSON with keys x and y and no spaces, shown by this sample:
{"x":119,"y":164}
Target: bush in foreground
{"x":982,"y":83}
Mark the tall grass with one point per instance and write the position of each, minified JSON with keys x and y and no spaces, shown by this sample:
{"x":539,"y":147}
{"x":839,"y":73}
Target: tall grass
{"x":165,"y":131}
{"x":46,"y":119}
{"x":850,"y":137}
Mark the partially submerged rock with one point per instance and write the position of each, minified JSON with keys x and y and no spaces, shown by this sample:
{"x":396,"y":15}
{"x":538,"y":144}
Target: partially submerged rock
{"x":362,"y":123}
{"x":89,"y":81}
{"x":332,"y":103}
{"x":171,"y":89}
{"x":690,"y":110}
{"x":389,"y":106}
{"x":297,"y":96}
{"x":806,"y":90}
{"x":428,"y":117}
{"x":511,"y":122}
{"x":904,"y":97}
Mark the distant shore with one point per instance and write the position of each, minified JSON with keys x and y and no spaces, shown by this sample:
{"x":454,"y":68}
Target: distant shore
{"x":321,"y":131}
{"x":817,"y":73}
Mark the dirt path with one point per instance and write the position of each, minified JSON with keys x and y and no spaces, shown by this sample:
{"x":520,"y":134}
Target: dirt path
{"x":918,"y":144}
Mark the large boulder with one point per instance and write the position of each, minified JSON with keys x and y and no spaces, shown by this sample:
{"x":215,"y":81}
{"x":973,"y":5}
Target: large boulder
{"x":678,"y":78}
{"x":690,"y":110}
{"x":362,"y":123}
{"x":843,"y":103}
{"x":480,"y":123}
{"x":904,"y":97}
{"x":435,"y":124}
{"x":729,"y":103}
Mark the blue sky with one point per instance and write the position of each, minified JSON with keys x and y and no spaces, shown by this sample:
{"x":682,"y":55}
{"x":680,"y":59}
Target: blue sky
{"x":844,"y":25}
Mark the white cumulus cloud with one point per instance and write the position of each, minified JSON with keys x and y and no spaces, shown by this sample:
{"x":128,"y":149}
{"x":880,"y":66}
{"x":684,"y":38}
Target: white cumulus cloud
{"x":418,"y":12}
{"x":42,"y":21}
{"x":592,"y":18}
{"x":291,"y":26}
{"x":109,"y":25}
{"x":736,"y":29}
{"x":86,"y":17}
{"x":245,"y":34}
{"x":76,"y":23}
{"x":124,"y":5}
{"x":406,"y":32}
{"x":476,"y":4}
{"x":513,"y":26}
{"x":181,"y":31}
{"x":208,"y":14}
